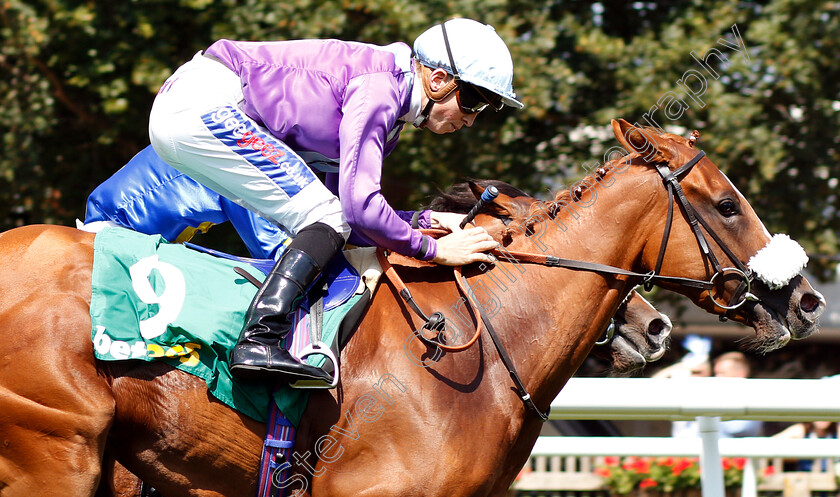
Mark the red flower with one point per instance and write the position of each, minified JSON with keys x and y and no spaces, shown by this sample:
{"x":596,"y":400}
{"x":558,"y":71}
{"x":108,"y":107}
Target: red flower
{"x":739,"y":462}
{"x":629,"y":462}
{"x":611,"y":461}
{"x":727,"y":464}
{"x":666,"y":461}
{"x":769,"y":470}
{"x":681,"y":465}
{"x":603,"y":472}
{"x":647,"y":483}
{"x":640,"y":466}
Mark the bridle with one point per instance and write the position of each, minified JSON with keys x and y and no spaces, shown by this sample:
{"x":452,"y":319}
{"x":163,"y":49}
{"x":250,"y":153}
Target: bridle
{"x":671,"y":181}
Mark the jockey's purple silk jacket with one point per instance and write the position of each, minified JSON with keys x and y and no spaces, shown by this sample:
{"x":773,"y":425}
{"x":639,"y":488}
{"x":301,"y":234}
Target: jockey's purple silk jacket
{"x":340,"y":102}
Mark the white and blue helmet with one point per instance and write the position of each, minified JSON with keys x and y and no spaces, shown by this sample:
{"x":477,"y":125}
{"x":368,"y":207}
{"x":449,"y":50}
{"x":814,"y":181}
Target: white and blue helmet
{"x":479,"y":55}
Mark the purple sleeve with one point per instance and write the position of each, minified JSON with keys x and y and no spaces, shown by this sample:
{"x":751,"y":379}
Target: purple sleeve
{"x":423,"y":219}
{"x":371,"y":107}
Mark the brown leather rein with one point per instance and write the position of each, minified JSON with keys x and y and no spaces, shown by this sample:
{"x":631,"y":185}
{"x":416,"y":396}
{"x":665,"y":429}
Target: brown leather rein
{"x":435,"y":321}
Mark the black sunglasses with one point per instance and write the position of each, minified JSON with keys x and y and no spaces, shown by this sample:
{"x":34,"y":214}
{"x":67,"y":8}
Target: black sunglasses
{"x":471,"y":99}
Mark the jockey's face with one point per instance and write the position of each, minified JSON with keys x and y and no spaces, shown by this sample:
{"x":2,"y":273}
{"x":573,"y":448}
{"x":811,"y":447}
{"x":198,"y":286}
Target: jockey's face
{"x":446,"y":115}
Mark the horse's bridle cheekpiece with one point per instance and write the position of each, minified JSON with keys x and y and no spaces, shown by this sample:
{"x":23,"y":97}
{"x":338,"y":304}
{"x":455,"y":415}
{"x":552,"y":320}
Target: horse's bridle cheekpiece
{"x":795,"y":256}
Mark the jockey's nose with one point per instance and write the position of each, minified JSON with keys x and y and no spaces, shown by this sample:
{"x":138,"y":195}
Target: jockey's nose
{"x":469,"y":119}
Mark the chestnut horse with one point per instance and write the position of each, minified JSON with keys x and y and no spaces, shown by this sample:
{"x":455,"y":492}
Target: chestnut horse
{"x":399,"y":423}
{"x":638,"y":335}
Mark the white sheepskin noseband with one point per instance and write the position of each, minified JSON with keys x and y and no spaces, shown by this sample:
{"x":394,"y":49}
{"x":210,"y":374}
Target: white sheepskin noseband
{"x":778,"y":262}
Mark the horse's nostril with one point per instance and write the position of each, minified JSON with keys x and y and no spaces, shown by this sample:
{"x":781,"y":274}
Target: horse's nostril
{"x":809,"y":303}
{"x":656,"y":327}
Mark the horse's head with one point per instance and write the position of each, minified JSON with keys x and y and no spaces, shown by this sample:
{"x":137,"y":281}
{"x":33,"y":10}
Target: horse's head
{"x":639,"y":333}
{"x":716,"y":236}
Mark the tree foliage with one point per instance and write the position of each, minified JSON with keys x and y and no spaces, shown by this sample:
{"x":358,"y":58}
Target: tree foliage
{"x":78,"y":79}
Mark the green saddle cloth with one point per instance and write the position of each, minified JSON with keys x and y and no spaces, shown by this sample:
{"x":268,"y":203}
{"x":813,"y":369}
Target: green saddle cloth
{"x":157,"y":301}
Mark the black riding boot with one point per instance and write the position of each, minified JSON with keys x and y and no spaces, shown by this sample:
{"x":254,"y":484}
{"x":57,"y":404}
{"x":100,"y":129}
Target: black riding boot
{"x":259,"y":353}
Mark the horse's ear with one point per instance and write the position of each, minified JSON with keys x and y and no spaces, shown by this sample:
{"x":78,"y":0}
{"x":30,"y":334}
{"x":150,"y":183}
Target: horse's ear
{"x":475,"y":188}
{"x":643,"y":141}
{"x":505,"y":206}
{"x":502,"y":206}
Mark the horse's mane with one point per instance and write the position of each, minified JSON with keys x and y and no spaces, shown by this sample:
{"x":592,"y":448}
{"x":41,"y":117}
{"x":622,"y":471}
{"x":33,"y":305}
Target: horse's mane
{"x":459,"y":198}
{"x":563,"y":197}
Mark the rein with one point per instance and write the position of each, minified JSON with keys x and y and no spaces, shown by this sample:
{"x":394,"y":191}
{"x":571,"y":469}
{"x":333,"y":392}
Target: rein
{"x":671,"y":180}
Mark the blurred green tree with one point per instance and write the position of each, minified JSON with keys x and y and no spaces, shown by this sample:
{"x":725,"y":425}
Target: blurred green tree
{"x":78,"y":79}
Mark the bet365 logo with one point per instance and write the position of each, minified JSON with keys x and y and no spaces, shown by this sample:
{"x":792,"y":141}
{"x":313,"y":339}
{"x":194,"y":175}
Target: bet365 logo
{"x":169,"y":304}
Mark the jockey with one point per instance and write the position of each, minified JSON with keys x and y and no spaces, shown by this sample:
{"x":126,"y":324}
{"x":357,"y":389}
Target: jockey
{"x":150,"y":196}
{"x":245,"y":118}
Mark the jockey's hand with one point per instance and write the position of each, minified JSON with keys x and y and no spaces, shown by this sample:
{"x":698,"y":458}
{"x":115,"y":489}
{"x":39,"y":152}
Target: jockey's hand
{"x":448,"y":221}
{"x":464,"y":247}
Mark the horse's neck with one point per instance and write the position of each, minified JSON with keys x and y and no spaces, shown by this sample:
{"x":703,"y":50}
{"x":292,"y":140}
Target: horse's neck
{"x":566,"y":310}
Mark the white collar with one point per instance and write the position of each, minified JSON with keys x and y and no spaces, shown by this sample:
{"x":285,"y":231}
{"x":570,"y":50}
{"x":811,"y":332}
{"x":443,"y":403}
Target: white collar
{"x":414,"y":114}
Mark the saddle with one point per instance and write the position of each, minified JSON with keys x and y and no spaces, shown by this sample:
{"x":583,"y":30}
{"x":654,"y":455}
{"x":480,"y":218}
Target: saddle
{"x":340,"y":281}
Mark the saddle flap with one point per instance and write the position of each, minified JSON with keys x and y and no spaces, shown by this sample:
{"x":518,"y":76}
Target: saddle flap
{"x":341,"y":278}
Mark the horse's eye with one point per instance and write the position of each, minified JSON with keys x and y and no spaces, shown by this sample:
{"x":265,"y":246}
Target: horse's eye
{"x":727,"y":208}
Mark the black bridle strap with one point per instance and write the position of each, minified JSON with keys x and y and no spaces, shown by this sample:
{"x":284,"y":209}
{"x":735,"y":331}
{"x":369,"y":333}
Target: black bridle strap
{"x":663,"y":245}
{"x":508,"y":362}
{"x":735,"y":260}
{"x":685,"y":168}
{"x":671,"y":181}
{"x":675,"y":191}
{"x":552,"y":261}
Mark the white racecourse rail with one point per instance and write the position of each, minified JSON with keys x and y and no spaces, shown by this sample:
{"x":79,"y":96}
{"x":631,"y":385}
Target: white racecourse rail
{"x":708,"y":400}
